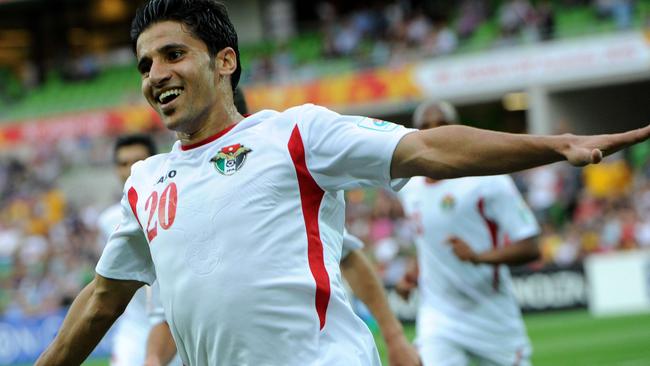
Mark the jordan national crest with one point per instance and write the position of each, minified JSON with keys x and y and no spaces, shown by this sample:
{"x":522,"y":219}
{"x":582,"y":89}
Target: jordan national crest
{"x":230,"y":159}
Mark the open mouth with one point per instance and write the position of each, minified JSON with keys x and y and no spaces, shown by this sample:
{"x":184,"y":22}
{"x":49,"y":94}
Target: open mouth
{"x":169,"y":95}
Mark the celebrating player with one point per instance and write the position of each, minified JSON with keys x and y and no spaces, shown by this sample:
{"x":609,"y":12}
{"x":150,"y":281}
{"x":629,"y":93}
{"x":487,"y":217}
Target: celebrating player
{"x":355,"y":268}
{"x":467,"y":309}
{"x":242,"y":221}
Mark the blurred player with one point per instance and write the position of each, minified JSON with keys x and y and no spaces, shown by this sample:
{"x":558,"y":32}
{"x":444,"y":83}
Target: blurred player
{"x":133,"y":326}
{"x":468,"y":312}
{"x":242,"y":222}
{"x":355,"y":268}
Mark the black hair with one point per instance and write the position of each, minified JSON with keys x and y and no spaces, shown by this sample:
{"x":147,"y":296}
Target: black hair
{"x":240,"y":101}
{"x":135,"y":139}
{"x":207,"y":20}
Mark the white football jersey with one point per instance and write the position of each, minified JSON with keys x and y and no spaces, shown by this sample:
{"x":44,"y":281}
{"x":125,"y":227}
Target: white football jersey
{"x":132,"y":328}
{"x":244,"y":233}
{"x":473,"y":305}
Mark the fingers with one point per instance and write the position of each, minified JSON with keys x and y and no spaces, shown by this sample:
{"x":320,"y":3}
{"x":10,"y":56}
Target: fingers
{"x":596,"y":156}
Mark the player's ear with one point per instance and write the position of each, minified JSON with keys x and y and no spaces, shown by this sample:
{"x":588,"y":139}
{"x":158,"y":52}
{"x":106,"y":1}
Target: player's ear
{"x":226,"y":61}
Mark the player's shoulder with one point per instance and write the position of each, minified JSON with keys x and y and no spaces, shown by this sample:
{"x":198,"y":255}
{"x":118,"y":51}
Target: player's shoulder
{"x":271,"y":121}
{"x":144,"y":168}
{"x":108,"y":213}
{"x":308,"y":113}
{"x":497,"y":185}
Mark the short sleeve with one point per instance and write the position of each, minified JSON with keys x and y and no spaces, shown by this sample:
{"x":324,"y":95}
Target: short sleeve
{"x":346,"y":152}
{"x":506,"y":206}
{"x":126,"y":255}
{"x":350,"y":243}
{"x":155,"y":310}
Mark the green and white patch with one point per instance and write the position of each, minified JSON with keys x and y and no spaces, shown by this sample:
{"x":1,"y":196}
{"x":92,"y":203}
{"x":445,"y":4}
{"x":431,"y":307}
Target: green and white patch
{"x":230,"y":159}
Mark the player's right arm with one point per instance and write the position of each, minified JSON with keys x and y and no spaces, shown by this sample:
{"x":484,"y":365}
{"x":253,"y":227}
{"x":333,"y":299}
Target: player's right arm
{"x":505,"y":207}
{"x":520,"y":252}
{"x":90,"y":316}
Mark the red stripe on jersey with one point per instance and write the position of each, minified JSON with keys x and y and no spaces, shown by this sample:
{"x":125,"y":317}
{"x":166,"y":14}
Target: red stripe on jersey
{"x":133,"y":201}
{"x":311,"y":196}
{"x":493,"y":228}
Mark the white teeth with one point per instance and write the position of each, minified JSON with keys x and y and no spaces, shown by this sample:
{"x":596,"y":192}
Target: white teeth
{"x":164,"y":95}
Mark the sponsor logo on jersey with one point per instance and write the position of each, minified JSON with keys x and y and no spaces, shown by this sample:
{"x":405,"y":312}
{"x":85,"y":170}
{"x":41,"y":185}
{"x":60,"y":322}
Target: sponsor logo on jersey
{"x":230,"y":159}
{"x":376,"y":124}
{"x":448,"y":202}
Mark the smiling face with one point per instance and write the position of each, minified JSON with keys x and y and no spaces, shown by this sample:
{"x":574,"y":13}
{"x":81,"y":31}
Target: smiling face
{"x":179,"y":78}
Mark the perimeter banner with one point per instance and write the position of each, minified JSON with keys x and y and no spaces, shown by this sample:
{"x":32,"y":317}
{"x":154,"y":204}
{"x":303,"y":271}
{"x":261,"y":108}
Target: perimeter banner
{"x":24,"y":338}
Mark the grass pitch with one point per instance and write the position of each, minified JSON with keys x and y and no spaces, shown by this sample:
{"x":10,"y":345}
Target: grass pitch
{"x":573,"y":338}
{"x":576,"y":338}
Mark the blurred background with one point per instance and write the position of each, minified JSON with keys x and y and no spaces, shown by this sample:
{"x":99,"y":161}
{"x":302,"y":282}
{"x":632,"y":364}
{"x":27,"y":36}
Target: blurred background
{"x":69,"y":86}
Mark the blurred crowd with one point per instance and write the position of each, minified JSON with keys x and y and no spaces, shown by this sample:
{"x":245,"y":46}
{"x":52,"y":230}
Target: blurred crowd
{"x":49,"y":243}
{"x":392,"y":32}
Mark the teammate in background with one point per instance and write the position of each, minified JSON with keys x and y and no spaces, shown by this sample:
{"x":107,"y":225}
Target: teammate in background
{"x":467,"y":311}
{"x":355,"y":268}
{"x":242,"y":222}
{"x":133,"y":326}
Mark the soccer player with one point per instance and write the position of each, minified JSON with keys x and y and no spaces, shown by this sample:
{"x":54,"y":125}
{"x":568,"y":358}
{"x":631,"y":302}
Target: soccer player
{"x":355,"y":268}
{"x":133,"y":326}
{"x":467,"y":310}
{"x":242,"y":221}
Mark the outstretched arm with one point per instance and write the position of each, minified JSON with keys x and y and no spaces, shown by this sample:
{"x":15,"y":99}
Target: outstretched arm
{"x":457,"y":151}
{"x":92,"y":313}
{"x":521,"y":252}
{"x":366,"y":286}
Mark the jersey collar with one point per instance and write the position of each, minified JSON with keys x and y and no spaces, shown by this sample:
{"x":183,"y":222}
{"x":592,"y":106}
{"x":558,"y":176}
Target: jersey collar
{"x":213,"y":137}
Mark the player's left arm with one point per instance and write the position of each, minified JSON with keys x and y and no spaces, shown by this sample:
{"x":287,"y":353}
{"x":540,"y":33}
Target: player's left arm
{"x":365,"y":284}
{"x":456,"y":151}
{"x":161,"y":347}
{"x":520,"y":252}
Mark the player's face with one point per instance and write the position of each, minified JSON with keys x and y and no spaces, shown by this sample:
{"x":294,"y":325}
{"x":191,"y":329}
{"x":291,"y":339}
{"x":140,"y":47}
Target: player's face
{"x":126,"y":156}
{"x":432,"y":118}
{"x":178,"y":76}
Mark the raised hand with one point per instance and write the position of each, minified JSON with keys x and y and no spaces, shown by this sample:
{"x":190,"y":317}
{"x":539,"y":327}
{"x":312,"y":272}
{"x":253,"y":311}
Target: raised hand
{"x":462,"y":250}
{"x":583,"y":150}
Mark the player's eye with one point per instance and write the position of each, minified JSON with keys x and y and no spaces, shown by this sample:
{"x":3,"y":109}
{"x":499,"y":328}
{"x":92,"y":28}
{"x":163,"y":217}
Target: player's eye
{"x":174,"y":55}
{"x":143,"y":68}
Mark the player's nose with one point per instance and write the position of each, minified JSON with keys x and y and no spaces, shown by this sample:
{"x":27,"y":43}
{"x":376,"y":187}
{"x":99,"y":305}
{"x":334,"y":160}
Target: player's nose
{"x":159,"y":73}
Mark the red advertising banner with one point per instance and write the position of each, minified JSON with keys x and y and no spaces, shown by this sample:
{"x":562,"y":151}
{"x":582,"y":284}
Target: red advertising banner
{"x":375,"y":86}
{"x":85,"y":124}
{"x":387,"y":85}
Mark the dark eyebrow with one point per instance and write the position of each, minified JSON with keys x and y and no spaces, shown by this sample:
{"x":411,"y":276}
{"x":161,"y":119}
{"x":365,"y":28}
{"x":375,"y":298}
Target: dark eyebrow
{"x":171,"y":46}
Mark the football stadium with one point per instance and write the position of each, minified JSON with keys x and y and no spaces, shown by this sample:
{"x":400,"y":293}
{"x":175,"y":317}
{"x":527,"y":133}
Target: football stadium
{"x":563,"y":277}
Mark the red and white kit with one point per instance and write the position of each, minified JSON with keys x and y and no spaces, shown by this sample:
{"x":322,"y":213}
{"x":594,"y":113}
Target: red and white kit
{"x":467,"y":309}
{"x":244,"y":233}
